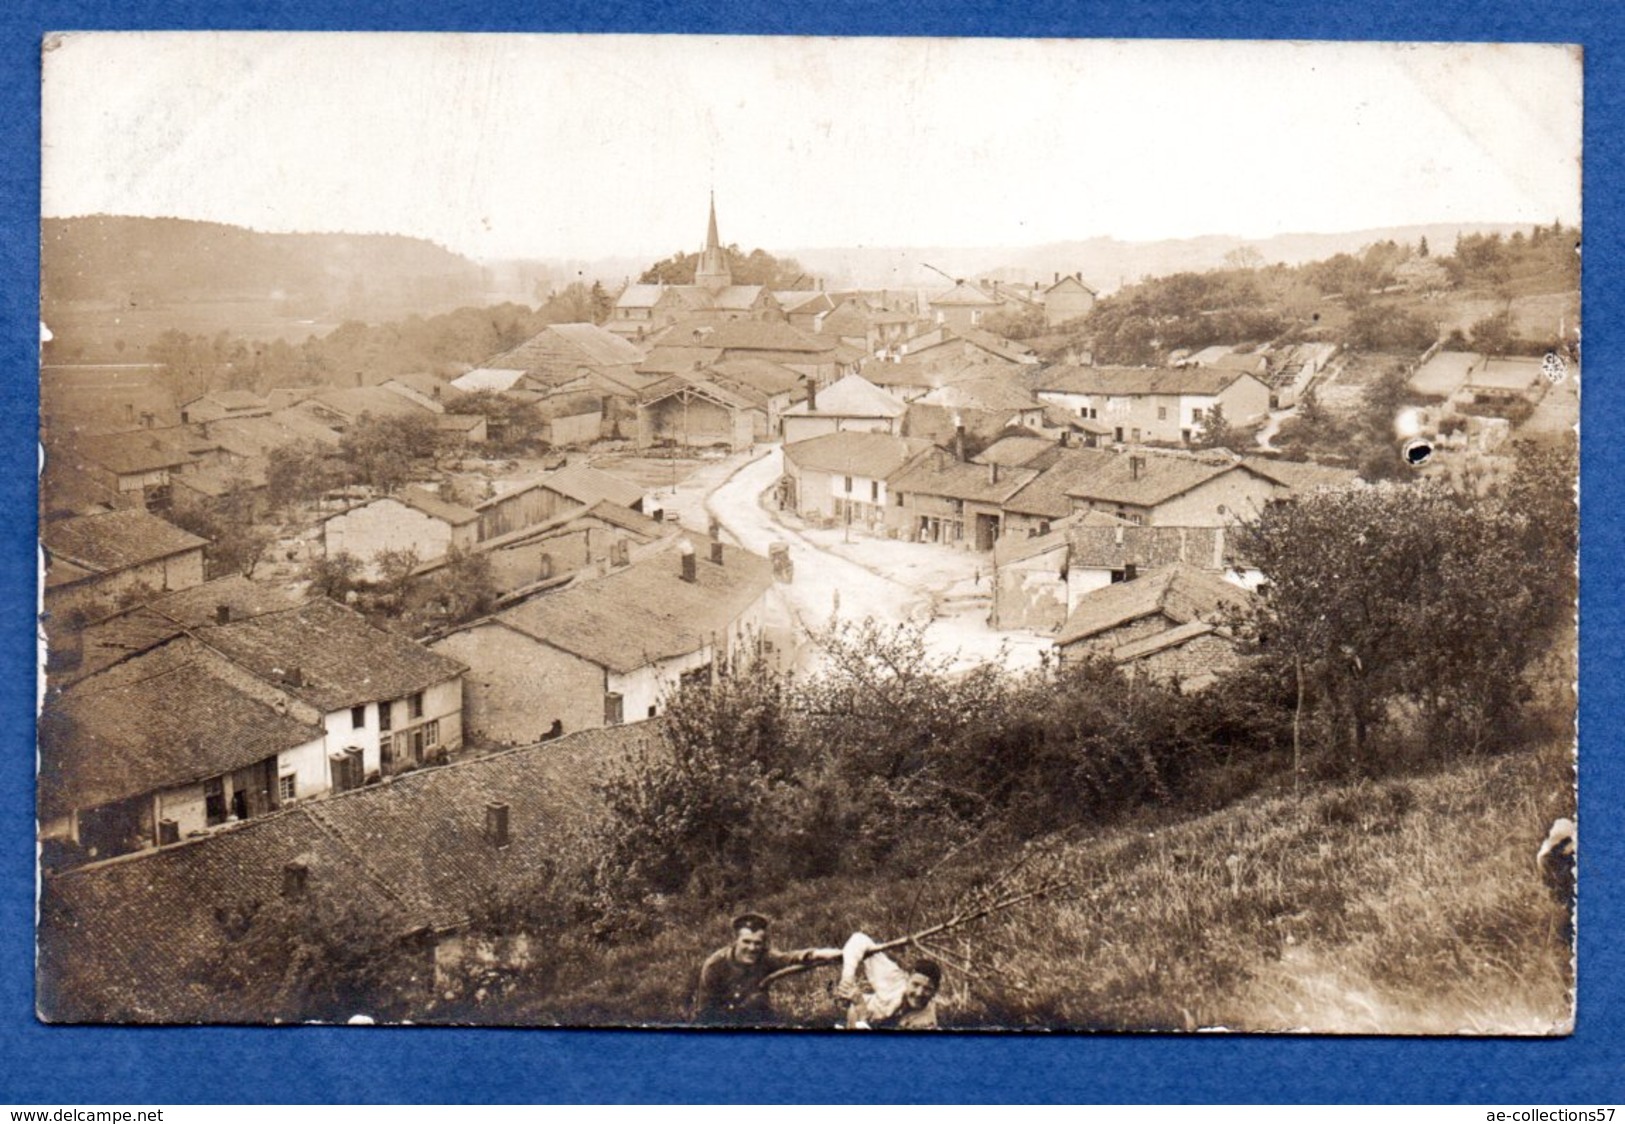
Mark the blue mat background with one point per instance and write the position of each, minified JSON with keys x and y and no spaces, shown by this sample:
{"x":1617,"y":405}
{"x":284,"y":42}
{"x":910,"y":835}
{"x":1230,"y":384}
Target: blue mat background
{"x":61,"y":1066}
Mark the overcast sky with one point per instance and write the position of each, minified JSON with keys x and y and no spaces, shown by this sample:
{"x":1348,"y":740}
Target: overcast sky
{"x":579,"y":146}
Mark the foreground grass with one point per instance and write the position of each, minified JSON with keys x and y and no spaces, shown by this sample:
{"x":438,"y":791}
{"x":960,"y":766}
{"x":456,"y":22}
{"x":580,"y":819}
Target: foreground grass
{"x":1406,"y":906}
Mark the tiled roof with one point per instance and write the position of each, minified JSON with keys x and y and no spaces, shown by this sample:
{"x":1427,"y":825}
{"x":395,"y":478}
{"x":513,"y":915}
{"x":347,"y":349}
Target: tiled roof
{"x":645,"y":612}
{"x":341,"y":660}
{"x":223,"y":479}
{"x":1016,"y":548}
{"x":486,"y":378}
{"x":163,"y":718}
{"x":762,"y":335}
{"x":639,"y":296}
{"x":1181,"y":593}
{"x":233,"y":400}
{"x":915,"y":373}
{"x":1152,"y":480}
{"x":134,"y":453}
{"x":763,"y":375}
{"x":1302,"y":476}
{"x":116,"y":540}
{"x":587,"y":485}
{"x":851,"y":453}
{"x":1067,"y":282}
{"x":673,"y":357}
{"x":996,"y":344}
{"x":962,"y":480}
{"x":135,"y":939}
{"x":742,"y":398}
{"x":963,"y":294}
{"x":436,"y":508}
{"x":246,"y":437}
{"x":459,"y":422}
{"x":1020,"y":452}
{"x":379,"y":401}
{"x":1136,"y":380}
{"x":563,"y":347}
{"x":982,"y":394}
{"x":852,"y":397}
{"x":803,"y":301}
{"x":429,"y":386}
{"x":1049,"y":495}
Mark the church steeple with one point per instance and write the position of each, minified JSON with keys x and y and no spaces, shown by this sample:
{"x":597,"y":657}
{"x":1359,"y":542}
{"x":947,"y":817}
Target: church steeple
{"x":712,"y":274}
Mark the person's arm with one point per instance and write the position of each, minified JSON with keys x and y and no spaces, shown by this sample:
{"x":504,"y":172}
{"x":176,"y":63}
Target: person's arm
{"x":710,"y":997}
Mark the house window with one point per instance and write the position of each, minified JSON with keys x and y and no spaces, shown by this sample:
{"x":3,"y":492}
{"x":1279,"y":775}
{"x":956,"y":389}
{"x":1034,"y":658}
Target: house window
{"x":431,"y":732}
{"x":386,"y":715}
{"x":348,"y":771}
{"x":414,"y":705}
{"x":874,"y":491}
{"x":287,"y":788}
{"x":1162,"y":413}
{"x":1196,"y":415}
{"x":358,"y":717}
{"x":613,"y":712}
{"x":1136,"y":435}
{"x":848,"y":485}
{"x":214,"y":801}
{"x":897,"y":499}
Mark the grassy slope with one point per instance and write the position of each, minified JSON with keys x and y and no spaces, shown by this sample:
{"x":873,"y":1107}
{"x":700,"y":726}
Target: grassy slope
{"x":1406,"y":906}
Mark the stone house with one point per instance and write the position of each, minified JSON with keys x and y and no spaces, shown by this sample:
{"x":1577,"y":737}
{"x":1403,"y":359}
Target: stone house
{"x":852,"y":404}
{"x":93,"y":560}
{"x":1173,"y":624}
{"x":610,"y":649}
{"x":841,"y":477}
{"x":414,"y":520}
{"x":1145,"y":404}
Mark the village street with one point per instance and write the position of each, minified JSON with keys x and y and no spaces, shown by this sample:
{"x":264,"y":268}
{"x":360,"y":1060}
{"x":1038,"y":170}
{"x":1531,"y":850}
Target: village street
{"x":892,"y":582}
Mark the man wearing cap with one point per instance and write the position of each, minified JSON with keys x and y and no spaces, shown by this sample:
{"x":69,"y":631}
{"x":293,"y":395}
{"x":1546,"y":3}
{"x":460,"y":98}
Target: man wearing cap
{"x":897,"y":999}
{"x":731,"y":991}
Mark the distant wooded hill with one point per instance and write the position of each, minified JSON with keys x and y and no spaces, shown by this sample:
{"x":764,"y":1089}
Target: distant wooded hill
{"x":148,"y":262}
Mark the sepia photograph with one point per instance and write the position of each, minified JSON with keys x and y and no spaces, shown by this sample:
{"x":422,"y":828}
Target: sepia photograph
{"x":809,"y":533}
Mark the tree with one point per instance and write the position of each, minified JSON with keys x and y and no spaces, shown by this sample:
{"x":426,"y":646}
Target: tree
{"x":1422,"y":247}
{"x":1216,"y":432}
{"x":333,"y":577}
{"x":394,"y":568}
{"x":1493,"y":335}
{"x":384,"y":451}
{"x":755,"y":268}
{"x":1378,"y":598}
{"x":301,"y":471}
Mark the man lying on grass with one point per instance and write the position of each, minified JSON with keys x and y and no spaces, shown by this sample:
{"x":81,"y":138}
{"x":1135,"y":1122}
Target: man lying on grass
{"x":734,"y":978}
{"x":734,"y":982}
{"x":897,"y":999}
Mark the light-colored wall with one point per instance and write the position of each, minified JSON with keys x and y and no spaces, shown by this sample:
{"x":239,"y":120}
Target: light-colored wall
{"x":582,"y":429}
{"x":177,"y":572}
{"x":516,"y":686}
{"x":388,"y":524}
{"x":1031,"y":593}
{"x":1240,"y":493}
{"x":645,"y":691}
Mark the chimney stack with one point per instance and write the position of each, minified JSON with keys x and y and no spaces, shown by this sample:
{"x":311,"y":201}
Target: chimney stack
{"x":222,"y":614}
{"x":716,"y":552}
{"x":959,"y":439}
{"x":812,"y":395}
{"x":685,"y":551}
{"x":295,"y":878}
{"x":992,"y":472}
{"x":1066,"y":438}
{"x":496,"y":824}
